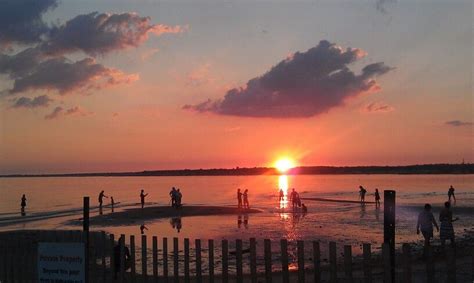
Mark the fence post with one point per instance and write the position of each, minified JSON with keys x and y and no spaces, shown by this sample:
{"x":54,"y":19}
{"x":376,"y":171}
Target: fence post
{"x":210,"y":247}
{"x":387,"y":264}
{"x":154,"y":251}
{"x":165,"y":259}
{"x":253,"y":260}
{"x":238,"y":260}
{"x":85,"y":229}
{"x":348,"y":263}
{"x":267,"y":247}
{"x":367,"y":254}
{"x":186,"y":260}
{"x":122,"y":257}
{"x":406,"y":263}
{"x":300,"y":246}
{"x":389,"y":228}
{"x":225,"y":261}
{"x":332,"y":262}
{"x":113,"y":272}
{"x":144,"y":258}
{"x":175,"y":260}
{"x":317,"y":262}
{"x":198,"y":260}
{"x":133,"y":266}
{"x":284,"y":261}
{"x":104,"y":248}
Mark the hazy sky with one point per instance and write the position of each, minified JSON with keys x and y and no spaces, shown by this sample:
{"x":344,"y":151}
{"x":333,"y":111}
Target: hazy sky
{"x":233,"y":83}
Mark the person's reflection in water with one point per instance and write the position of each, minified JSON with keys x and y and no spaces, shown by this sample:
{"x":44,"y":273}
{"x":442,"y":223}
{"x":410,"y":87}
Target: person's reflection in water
{"x":296,"y":218}
{"x":377,"y":213}
{"x":239,"y":221}
{"x":176,"y":223}
{"x":246,"y":221}
{"x":142,"y":229}
{"x":100,"y":210}
{"x":362,"y":210}
{"x":112,"y":203}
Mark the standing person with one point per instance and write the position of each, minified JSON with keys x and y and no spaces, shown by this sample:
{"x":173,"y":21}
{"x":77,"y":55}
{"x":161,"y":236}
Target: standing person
{"x":446,"y":229}
{"x":112,"y":203}
{"x":281,"y":196}
{"x":142,"y":198}
{"x":377,"y":198}
{"x":425,"y":223}
{"x":23,"y":204}
{"x":173,"y":196}
{"x":246,"y":199}
{"x":239,"y":198}
{"x":101,"y":198}
{"x":178,"y":198}
{"x":294,"y":198}
{"x":362,"y":192}
{"x":451,"y":194}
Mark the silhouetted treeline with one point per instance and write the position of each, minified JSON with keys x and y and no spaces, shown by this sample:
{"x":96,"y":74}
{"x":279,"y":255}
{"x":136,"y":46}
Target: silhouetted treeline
{"x":467,"y":168}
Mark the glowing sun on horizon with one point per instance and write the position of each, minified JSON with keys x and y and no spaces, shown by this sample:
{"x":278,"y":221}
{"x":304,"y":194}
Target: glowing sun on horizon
{"x":284,"y":164}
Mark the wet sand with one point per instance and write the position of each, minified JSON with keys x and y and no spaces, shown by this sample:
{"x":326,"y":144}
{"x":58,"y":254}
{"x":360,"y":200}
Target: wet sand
{"x":139,"y":215}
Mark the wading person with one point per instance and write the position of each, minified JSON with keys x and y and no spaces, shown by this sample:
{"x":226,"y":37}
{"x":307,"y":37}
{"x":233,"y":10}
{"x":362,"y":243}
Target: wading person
{"x":294,"y":197}
{"x":446,"y":222}
{"x":173,"y":196}
{"x":425,"y":224}
{"x":179,"y":196}
{"x":239,"y":198}
{"x":23,"y":205}
{"x":362,"y":192}
{"x":451,"y":194}
{"x":377,"y":198}
{"x":246,"y":199}
{"x":142,"y":198}
{"x":101,"y":198}
{"x":281,"y":196}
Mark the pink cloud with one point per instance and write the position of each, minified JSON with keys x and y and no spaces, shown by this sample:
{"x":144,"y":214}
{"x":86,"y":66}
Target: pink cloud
{"x":377,"y":107}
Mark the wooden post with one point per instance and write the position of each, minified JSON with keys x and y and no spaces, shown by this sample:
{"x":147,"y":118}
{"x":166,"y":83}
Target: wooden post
{"x":210,"y":247}
{"x":317,"y":262}
{"x":366,"y":264}
{"x":175,"y":260}
{"x":284,"y":261}
{"x":451,"y":265}
{"x":103,"y":239}
{"x":144,"y":258}
{"x":389,"y":228}
{"x":112,"y":258}
{"x":165,"y":259}
{"x":387,"y":263}
{"x":348,"y":263}
{"x":85,"y":229}
{"x":186,"y":260}
{"x":238,"y":260}
{"x":122,"y":257}
{"x":133,"y":266}
{"x":267,"y":249}
{"x":225,"y":261}
{"x":198,"y":261}
{"x":253,"y":260}
{"x":154,"y":243}
{"x":332,"y":262}
{"x":406,"y":263}
{"x":300,"y":246}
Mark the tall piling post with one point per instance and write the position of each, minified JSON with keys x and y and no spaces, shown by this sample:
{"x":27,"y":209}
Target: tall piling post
{"x":85,"y":230}
{"x":389,"y":227}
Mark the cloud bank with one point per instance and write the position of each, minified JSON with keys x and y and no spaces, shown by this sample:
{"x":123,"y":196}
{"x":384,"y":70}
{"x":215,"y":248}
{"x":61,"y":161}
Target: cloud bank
{"x":305,"y":84}
{"x":60,"y":112}
{"x":26,"y":102}
{"x":377,"y":107}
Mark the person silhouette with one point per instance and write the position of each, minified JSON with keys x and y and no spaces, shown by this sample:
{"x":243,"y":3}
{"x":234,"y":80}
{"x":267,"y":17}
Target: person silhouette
{"x":446,"y":227}
{"x":246,"y":199}
{"x":425,"y":224}
{"x":101,"y":198}
{"x":142,"y":229}
{"x":281,"y":196}
{"x":451,"y":194}
{"x":362,"y":192}
{"x":294,"y":198}
{"x":377,"y":198}
{"x":117,"y":259}
{"x":142,"y":198}
{"x":239,"y":198}
{"x":23,"y":205}
{"x":112,"y":203}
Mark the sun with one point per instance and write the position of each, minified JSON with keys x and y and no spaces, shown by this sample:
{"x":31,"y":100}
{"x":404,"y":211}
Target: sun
{"x":284,"y":164}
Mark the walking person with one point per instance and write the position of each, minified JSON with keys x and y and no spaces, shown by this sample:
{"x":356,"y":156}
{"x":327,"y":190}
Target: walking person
{"x":173,"y":196}
{"x":446,"y":229}
{"x":294,"y":197}
{"x":101,"y":198}
{"x":451,"y":194}
{"x":425,"y":224}
{"x":142,"y":198}
{"x":179,"y":196}
{"x":362,"y":193}
{"x":377,"y":198}
{"x":246,"y":199}
{"x":23,"y":205}
{"x":239,"y":198}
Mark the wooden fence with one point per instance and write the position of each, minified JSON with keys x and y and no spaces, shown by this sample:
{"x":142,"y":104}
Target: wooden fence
{"x":243,"y":263}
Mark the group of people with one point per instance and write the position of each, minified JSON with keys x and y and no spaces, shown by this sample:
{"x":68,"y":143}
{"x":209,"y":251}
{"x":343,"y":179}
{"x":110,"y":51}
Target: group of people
{"x":176,"y":196}
{"x":243,"y":199}
{"x":363,"y":192}
{"x":426,"y":221}
{"x":296,"y":200}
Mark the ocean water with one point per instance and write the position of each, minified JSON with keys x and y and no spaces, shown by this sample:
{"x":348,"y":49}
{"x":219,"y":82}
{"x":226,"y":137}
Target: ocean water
{"x":53,"y":202}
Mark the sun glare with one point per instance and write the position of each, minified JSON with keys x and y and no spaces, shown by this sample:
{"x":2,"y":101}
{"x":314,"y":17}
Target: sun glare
{"x":284,"y":164}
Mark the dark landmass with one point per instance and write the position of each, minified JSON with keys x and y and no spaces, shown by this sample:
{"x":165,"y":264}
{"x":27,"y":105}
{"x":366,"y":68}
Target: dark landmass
{"x":467,"y":168}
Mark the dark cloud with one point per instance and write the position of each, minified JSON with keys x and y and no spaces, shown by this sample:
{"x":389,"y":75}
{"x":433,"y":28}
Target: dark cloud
{"x":381,"y":5}
{"x":99,"y":33}
{"x":21,"y":21}
{"x":303,"y":85}
{"x":457,"y":123}
{"x":377,"y":107}
{"x":59,"y":112}
{"x":26,"y":102}
{"x":58,"y":74}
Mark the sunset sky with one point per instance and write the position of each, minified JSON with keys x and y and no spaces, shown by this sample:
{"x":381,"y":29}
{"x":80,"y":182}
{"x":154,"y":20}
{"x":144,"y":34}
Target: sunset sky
{"x":114,"y":85}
